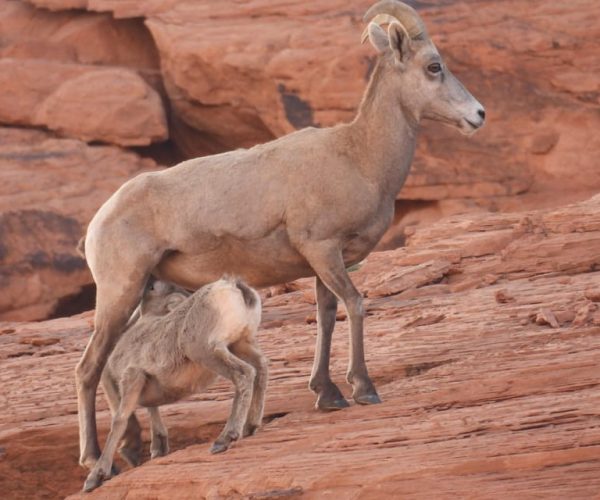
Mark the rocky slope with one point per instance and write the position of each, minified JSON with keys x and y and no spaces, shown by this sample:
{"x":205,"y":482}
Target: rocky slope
{"x":483,"y":337}
{"x":192,"y":77}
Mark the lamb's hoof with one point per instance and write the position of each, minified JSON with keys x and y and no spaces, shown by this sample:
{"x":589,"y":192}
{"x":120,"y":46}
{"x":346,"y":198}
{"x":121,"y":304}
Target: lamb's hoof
{"x":97,"y":477}
{"x":368,"y":399}
{"x":132,"y":457}
{"x":160,"y":447}
{"x":250,"y":429}
{"x":91,"y":483}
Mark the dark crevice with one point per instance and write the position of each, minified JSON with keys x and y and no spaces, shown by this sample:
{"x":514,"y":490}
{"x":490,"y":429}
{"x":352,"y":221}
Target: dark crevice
{"x":79,"y":302}
{"x":267,"y":419}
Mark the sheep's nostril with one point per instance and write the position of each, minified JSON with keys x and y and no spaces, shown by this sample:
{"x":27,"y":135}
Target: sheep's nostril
{"x":481,"y":113}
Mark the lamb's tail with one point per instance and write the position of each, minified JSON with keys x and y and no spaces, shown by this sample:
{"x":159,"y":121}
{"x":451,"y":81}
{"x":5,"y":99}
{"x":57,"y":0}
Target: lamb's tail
{"x":81,"y":246}
{"x":250,"y":296}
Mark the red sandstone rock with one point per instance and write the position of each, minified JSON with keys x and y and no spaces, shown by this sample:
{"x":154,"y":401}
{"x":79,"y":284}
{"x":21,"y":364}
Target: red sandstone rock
{"x":475,"y":398}
{"x":240,"y":73}
{"x":110,"y":105}
{"x":49,"y":190}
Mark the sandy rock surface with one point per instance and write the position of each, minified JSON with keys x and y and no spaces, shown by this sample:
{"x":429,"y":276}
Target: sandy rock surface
{"x":483,"y":337}
{"x":49,"y":190}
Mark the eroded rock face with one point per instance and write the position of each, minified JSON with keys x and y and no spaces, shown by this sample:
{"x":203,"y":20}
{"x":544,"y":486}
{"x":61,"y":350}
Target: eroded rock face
{"x":482,"y":336}
{"x":241,"y":73}
{"x":49,"y":190}
{"x":51,"y":75}
{"x":110,"y":105}
{"x":245,"y":73}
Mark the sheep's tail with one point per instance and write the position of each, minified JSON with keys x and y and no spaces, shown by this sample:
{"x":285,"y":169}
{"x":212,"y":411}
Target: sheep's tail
{"x":81,"y":246}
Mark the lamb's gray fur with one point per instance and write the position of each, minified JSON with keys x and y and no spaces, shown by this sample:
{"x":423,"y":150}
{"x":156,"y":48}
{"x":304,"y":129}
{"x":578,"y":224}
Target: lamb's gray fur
{"x":178,"y":346}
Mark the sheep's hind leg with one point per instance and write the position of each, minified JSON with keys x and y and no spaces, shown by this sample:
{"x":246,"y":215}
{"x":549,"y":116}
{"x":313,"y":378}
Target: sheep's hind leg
{"x":118,"y":293}
{"x":159,"y":446}
{"x":252,"y":355}
{"x":131,"y":387}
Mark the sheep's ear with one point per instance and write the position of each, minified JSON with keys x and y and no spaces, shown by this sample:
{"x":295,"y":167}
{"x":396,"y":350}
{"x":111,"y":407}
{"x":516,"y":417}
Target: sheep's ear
{"x":378,"y":37}
{"x":399,"y":42}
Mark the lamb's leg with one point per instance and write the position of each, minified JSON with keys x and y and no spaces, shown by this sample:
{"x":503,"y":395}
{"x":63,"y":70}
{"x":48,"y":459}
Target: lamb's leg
{"x":329,"y":397}
{"x":252,"y":354}
{"x":159,"y":446}
{"x":219,"y":359}
{"x":131,"y":387}
{"x":131,"y":446}
{"x":114,"y":305}
{"x":326,"y":260}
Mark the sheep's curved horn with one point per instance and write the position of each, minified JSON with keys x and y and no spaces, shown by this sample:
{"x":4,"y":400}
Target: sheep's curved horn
{"x":386,"y":11}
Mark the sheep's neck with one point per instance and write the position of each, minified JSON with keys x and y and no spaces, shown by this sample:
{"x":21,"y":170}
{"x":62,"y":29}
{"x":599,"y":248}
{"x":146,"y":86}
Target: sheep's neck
{"x":384,"y":133}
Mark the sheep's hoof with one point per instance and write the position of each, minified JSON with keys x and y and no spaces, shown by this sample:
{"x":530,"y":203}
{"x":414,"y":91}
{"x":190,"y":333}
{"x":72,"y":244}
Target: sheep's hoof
{"x":331,"y":405}
{"x":219,"y":447}
{"x":330,"y":398}
{"x":224,"y":442}
{"x":368,"y":399}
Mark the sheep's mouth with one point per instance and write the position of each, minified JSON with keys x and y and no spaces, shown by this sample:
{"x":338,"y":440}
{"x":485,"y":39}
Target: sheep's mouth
{"x":467,"y":127}
{"x":474,"y":125}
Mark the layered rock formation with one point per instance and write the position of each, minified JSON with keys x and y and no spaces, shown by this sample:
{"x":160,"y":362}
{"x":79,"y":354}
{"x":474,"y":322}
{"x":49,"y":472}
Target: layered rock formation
{"x":483,"y":337}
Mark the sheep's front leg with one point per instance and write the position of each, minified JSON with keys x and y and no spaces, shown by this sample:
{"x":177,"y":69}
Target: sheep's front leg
{"x":326,"y":260}
{"x":131,"y":387}
{"x":252,"y":354}
{"x":329,"y":397}
{"x":220,"y":360}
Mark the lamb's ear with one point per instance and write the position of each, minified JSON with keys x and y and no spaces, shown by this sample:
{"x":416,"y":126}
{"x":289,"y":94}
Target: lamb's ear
{"x":400,"y":43}
{"x":174,"y":300}
{"x":378,"y":37}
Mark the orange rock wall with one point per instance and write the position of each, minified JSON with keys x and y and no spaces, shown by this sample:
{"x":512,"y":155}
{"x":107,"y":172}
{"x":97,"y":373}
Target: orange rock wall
{"x":186,"y":78}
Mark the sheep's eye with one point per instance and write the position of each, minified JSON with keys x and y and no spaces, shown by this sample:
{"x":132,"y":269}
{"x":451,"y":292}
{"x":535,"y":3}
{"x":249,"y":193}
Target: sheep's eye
{"x":434,"y":68}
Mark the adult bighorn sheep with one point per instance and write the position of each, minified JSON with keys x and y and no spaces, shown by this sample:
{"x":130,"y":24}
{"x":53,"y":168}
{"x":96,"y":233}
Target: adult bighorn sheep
{"x":311,"y":203}
{"x":177,"y":347}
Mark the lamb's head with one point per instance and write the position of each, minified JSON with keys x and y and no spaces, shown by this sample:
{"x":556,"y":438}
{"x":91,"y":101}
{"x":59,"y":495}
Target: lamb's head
{"x":425,"y":87}
{"x":161,"y":298}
